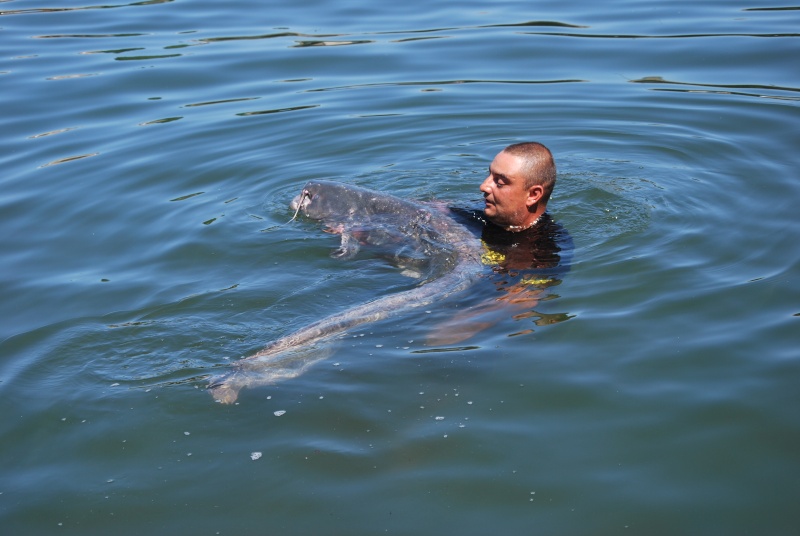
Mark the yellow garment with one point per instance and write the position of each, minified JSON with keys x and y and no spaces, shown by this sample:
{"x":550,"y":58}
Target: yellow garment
{"x":491,"y":257}
{"x":532,"y":280}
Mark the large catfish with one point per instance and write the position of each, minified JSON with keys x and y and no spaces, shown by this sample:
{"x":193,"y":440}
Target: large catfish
{"x":419,"y":235}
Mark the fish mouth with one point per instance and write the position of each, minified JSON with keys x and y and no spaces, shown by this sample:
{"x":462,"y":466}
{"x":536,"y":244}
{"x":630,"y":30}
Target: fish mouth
{"x":301,"y":201}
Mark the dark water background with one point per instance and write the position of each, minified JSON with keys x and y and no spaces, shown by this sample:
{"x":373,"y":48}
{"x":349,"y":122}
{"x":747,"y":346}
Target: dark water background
{"x":147,"y":145}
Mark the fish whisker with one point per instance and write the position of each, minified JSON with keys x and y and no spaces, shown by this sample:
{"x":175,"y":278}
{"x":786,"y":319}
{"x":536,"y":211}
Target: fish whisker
{"x":303,"y":197}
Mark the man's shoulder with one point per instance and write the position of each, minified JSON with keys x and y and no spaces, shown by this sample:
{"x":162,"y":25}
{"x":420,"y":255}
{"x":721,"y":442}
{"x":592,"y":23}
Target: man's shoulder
{"x":472,"y":218}
{"x":546,"y":247}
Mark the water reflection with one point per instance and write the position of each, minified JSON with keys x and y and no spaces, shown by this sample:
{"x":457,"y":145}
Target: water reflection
{"x":70,"y":76}
{"x":50,"y":133}
{"x":29,"y":11}
{"x":442,"y":83}
{"x":222,"y":101}
{"x":534,"y":23}
{"x":788,"y":8}
{"x":115,"y":51}
{"x":720,"y":89}
{"x":263,"y":36}
{"x":146,"y":58}
{"x":279,"y":110}
{"x":303,"y":44}
{"x":87,"y":36}
{"x":68,"y":159}
{"x":162,"y":120}
{"x":672,"y":36}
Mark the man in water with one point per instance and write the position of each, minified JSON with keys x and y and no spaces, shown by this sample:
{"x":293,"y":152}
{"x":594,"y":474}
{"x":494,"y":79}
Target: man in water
{"x":517,"y":226}
{"x":521,"y":179}
{"x":528,"y":251}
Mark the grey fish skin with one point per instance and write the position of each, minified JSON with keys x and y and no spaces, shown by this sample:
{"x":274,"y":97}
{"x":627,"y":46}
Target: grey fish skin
{"x":350,"y":207}
{"x":365,"y":216}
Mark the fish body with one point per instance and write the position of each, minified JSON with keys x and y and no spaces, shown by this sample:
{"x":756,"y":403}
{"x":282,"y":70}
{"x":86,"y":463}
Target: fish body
{"x":363,"y":217}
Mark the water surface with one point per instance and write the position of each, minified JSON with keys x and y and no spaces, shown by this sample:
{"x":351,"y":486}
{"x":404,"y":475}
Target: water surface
{"x":148,"y":145}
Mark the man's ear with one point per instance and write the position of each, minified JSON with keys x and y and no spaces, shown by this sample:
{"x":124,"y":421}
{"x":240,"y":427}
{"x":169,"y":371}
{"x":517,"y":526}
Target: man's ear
{"x":535,"y":194}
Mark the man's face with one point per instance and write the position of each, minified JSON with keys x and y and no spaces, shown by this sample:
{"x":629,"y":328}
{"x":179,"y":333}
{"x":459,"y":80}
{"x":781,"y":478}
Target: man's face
{"x":504,"y":192}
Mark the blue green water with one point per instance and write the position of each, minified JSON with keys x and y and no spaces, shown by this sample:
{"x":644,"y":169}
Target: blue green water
{"x":146,"y":147}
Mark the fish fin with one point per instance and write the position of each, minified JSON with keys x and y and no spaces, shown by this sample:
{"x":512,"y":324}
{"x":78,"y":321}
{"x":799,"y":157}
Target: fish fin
{"x":223,"y":392}
{"x":348,"y":248}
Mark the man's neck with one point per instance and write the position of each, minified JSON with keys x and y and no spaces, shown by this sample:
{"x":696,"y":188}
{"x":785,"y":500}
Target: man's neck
{"x":530,"y":221}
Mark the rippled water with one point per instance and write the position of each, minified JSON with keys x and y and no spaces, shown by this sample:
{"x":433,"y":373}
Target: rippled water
{"x":147,"y":147}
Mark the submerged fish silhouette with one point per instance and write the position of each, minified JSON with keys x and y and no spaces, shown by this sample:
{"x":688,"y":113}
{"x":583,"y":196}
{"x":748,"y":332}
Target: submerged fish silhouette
{"x":421,"y":234}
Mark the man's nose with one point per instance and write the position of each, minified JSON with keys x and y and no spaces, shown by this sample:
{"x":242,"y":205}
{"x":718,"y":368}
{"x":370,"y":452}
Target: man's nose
{"x":485,"y":184}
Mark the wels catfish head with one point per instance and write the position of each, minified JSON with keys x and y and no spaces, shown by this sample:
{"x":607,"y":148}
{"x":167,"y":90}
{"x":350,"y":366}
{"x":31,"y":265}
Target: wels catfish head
{"x":324,"y":200}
